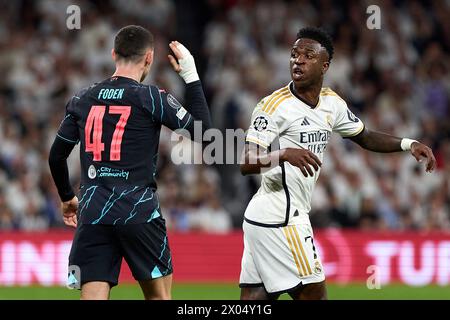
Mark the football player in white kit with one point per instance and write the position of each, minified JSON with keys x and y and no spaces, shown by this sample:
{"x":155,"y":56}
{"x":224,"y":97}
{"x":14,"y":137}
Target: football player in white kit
{"x":279,"y":254}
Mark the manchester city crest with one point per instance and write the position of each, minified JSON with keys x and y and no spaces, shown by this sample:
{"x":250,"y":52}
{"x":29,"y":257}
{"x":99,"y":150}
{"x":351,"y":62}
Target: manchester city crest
{"x":92,"y":172}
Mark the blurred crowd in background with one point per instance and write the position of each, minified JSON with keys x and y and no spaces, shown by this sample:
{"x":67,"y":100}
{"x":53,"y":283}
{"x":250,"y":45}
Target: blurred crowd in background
{"x":395,"y":79}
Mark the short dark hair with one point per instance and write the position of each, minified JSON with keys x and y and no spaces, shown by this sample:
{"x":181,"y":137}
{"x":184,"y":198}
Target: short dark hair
{"x":319,"y":35}
{"x":131,"y":42}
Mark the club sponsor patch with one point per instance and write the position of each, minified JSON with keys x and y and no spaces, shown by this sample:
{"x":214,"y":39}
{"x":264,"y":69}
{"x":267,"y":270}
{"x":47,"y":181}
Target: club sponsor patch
{"x":181,"y":113}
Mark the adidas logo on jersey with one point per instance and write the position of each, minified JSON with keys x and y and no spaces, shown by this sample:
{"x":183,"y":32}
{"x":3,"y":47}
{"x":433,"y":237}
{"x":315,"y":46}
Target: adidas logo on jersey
{"x":305,"y":122}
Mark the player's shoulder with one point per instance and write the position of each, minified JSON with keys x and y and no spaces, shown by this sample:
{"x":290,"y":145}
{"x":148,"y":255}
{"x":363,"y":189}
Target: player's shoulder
{"x":154,"y":89}
{"x":329,"y":95}
{"x":271,"y":103}
{"x":153,"y":93}
{"x":83,"y":92}
{"x":136,"y":89}
{"x":76,"y":100}
{"x":155,"y":98}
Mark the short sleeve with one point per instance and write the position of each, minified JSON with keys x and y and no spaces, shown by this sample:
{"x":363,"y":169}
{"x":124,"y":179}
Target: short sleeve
{"x":263,"y":129}
{"x":346,"y":123}
{"x":68,"y":129}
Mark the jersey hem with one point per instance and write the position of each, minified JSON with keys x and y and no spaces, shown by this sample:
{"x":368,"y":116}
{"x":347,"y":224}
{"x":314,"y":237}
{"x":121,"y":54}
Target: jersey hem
{"x":288,"y":206}
{"x":355,"y":133}
{"x":251,"y":285}
{"x":67,"y":140}
{"x":257,"y":142}
{"x":264,"y":225}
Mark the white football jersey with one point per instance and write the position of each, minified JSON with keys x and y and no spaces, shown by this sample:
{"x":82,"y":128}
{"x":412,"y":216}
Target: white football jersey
{"x":285,"y":194}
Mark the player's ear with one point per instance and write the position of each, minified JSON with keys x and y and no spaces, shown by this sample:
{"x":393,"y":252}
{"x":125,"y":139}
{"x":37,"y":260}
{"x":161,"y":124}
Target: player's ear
{"x":149,"y":57}
{"x":325,"y":67}
{"x":113,"y":54}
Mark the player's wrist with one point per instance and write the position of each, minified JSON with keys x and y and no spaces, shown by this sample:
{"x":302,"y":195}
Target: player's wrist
{"x":190,"y":77}
{"x":282,"y":155}
{"x":187,"y":65}
{"x":406,"y":144}
{"x":188,"y":70}
{"x":66,"y":198}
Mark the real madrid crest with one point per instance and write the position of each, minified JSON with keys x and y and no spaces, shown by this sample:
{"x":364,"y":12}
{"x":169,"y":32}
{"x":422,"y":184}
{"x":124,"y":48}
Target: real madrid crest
{"x":317,"y":267}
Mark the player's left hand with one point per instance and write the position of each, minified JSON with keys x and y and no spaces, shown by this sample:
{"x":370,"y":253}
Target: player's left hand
{"x":419,"y":150}
{"x":69,"y":211}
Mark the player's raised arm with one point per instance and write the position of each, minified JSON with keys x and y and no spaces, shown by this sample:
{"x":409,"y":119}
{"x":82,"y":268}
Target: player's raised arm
{"x":382,"y":142}
{"x":183,"y":63}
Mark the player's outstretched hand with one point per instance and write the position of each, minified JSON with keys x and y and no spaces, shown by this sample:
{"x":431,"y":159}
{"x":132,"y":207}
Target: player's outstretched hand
{"x":419,"y":150}
{"x":185,"y":66}
{"x":303,"y":159}
{"x":69,"y":210}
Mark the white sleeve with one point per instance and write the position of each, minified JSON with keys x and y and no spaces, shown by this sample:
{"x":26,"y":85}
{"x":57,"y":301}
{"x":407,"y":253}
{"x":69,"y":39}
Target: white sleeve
{"x":263,"y":128}
{"x":346,"y":123}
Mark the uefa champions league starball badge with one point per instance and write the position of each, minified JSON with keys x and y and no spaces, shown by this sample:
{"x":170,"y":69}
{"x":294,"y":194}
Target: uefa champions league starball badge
{"x":260,"y":123}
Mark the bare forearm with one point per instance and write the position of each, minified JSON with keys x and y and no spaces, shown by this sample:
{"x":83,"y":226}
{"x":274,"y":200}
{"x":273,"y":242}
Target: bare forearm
{"x":255,"y":161}
{"x":378,"y":142}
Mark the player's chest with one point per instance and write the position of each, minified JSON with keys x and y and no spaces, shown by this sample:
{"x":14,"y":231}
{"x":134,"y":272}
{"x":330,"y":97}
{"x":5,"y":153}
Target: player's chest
{"x":310,"y":128}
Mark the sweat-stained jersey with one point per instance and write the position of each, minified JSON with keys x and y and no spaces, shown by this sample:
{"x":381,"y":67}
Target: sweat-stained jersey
{"x":285,"y":193}
{"x":118,"y":123}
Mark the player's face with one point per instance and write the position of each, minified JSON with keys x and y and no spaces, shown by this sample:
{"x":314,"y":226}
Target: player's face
{"x":308,"y":63}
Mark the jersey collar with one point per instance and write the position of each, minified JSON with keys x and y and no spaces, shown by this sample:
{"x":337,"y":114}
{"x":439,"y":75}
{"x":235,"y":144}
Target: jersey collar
{"x":311,"y":106}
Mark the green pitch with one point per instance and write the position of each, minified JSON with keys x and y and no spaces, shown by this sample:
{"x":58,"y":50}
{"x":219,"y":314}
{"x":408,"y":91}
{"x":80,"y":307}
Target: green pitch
{"x":231,"y":292}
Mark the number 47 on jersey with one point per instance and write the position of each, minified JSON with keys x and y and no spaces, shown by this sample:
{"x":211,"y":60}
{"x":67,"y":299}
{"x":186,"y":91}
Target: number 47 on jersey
{"x":94,"y":129}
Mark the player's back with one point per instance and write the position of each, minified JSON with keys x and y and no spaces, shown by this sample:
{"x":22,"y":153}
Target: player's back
{"x":118,"y":150}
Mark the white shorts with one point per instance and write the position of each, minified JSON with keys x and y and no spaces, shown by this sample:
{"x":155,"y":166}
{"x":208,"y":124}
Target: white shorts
{"x":279,"y":259}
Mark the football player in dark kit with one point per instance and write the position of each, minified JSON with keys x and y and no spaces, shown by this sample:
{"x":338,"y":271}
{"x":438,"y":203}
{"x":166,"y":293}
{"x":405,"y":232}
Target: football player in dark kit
{"x":117,"y":123}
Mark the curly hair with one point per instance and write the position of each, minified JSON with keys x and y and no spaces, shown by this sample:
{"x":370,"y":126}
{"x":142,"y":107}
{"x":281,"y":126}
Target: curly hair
{"x":319,"y":35}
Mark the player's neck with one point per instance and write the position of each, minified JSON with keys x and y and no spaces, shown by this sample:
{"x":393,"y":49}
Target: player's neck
{"x":309,"y":94}
{"x":128,"y":71}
